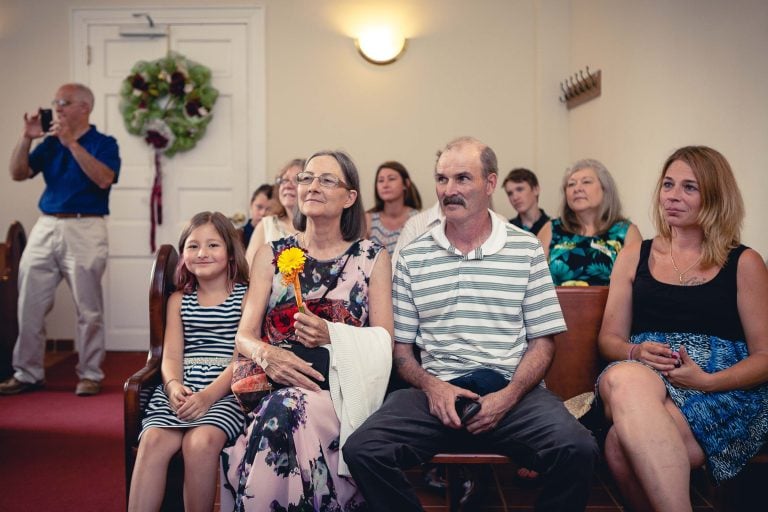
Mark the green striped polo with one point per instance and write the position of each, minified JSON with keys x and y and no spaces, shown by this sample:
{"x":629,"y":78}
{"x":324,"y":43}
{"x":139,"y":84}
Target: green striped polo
{"x":475,"y":310}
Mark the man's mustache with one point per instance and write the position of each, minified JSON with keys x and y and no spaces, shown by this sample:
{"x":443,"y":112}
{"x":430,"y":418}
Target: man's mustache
{"x":457,"y":200}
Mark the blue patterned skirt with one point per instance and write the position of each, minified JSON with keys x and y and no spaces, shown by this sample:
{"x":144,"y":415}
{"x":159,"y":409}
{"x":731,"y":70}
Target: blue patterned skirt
{"x":730,"y":426}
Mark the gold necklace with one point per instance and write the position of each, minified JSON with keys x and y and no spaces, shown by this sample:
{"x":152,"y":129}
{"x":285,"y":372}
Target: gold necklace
{"x":674,"y":265}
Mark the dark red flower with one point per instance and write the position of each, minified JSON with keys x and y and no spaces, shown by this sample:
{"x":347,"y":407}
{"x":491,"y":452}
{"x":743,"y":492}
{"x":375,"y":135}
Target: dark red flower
{"x":193,"y":107}
{"x":177,"y":84}
{"x":156,"y":139}
{"x":138,"y":82}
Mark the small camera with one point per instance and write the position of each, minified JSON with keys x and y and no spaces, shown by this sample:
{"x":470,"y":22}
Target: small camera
{"x":46,"y":119}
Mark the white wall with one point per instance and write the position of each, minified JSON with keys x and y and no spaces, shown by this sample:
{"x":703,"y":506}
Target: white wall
{"x":471,"y":68}
{"x":675,"y":72}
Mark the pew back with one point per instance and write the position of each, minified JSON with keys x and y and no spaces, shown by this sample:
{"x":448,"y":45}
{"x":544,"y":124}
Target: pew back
{"x":10,"y":256}
{"x":138,"y":388}
{"x":577,"y":362}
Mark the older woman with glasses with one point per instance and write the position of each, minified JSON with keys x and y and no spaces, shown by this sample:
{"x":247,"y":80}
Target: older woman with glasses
{"x":325,"y":364}
{"x":279,"y":225}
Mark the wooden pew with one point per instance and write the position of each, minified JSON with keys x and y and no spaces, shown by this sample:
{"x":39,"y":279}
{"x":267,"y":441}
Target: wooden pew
{"x":10,"y":255}
{"x":574,"y":369}
{"x":138,"y":388}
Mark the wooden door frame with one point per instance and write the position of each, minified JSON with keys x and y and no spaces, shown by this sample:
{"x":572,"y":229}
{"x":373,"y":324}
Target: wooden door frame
{"x":253,"y":17}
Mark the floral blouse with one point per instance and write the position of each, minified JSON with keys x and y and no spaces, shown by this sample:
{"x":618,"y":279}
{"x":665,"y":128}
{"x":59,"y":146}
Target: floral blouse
{"x":576,"y":260}
{"x":336,"y":289}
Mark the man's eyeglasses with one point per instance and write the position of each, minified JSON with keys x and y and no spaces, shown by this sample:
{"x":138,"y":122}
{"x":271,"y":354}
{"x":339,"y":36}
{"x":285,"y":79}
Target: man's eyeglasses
{"x":326,"y":180}
{"x":61,"y":103}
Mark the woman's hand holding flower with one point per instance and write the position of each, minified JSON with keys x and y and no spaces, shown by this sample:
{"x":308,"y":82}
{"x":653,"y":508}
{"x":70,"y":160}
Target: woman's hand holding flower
{"x":311,"y":330}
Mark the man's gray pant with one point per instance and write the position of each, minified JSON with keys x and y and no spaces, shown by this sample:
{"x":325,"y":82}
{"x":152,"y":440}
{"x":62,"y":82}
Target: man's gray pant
{"x":538,"y":432}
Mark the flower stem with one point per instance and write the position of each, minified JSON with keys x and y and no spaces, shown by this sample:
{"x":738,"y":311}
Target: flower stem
{"x":297,"y":292}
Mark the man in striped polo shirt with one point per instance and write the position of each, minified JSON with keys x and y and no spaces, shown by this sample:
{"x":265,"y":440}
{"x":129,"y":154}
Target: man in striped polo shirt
{"x":475,"y":296}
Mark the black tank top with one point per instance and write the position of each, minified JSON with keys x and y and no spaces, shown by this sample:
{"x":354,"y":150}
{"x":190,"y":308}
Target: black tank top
{"x":710,"y":308}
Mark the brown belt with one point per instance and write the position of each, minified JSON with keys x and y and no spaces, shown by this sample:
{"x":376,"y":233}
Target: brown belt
{"x":73,"y":215}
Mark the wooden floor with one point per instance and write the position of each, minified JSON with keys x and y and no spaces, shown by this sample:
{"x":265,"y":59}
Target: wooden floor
{"x":604,"y":496}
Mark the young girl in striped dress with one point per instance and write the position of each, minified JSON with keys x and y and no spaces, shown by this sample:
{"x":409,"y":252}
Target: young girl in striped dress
{"x":194,"y":410}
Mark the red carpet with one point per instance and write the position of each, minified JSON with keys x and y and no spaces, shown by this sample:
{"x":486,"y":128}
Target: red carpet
{"x":62,"y":452}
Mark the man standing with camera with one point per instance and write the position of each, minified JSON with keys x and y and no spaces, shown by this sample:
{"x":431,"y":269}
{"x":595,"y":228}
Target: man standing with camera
{"x":69,"y":241}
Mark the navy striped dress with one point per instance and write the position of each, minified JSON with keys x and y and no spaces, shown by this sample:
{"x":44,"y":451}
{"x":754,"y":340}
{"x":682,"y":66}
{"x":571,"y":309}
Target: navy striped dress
{"x":209,"y":340}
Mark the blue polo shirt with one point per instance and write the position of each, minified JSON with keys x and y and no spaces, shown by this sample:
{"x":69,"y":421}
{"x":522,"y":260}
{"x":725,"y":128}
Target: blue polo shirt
{"x":67,"y":188}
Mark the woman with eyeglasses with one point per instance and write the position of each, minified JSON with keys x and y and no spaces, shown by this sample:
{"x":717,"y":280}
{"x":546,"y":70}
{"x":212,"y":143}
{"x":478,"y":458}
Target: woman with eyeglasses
{"x":313,"y":373}
{"x":279,"y":225}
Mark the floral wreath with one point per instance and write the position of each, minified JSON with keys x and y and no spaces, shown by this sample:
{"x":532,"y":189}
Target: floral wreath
{"x":169,"y":102}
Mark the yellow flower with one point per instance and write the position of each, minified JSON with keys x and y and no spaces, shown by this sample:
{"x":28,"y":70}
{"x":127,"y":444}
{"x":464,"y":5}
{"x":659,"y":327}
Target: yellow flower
{"x":290,"y":261}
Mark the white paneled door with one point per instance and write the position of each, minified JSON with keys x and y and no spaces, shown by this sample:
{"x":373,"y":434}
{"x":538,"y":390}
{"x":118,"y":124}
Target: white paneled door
{"x":215,"y":175}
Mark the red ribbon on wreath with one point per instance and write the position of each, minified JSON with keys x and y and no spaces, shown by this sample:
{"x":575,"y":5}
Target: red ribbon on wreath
{"x":156,"y":202}
{"x":168,"y":102}
{"x":159,"y":142}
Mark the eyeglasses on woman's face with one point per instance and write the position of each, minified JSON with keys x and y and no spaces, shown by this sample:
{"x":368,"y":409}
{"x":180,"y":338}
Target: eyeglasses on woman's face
{"x":326,"y":180}
{"x":282,"y":181}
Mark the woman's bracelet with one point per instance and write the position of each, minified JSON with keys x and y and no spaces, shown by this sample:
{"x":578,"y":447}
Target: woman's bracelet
{"x":169,"y":382}
{"x":631,"y":351}
{"x":263,"y":363}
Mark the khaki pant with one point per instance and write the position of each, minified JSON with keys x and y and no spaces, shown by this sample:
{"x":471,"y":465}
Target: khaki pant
{"x":74,"y":249}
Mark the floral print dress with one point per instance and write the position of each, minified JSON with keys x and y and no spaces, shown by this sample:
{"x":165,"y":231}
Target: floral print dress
{"x":288,"y":458}
{"x":576,"y":260}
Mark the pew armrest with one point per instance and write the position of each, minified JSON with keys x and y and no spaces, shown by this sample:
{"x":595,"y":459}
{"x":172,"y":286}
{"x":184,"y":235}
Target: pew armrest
{"x":139,"y":386}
